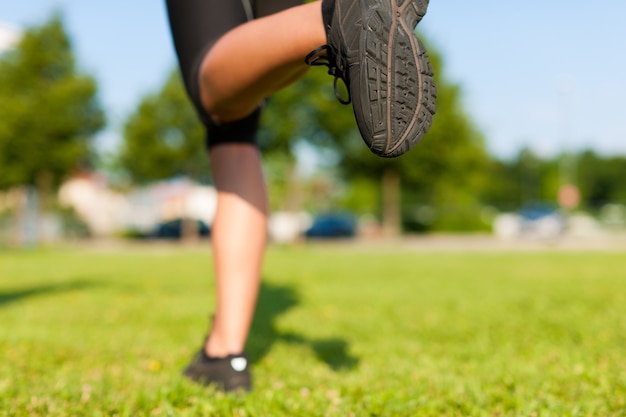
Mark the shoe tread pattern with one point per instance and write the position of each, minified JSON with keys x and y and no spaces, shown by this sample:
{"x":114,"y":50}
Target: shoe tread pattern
{"x":395,"y":73}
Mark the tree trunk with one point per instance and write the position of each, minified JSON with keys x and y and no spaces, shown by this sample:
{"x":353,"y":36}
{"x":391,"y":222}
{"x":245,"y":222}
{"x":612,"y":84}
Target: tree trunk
{"x":17,"y":203}
{"x":45,"y":191}
{"x":190,"y":232}
{"x":391,"y":203}
{"x":294,"y":190}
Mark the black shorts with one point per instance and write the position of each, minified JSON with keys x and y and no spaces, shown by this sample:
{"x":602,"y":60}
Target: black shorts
{"x":195,"y":26}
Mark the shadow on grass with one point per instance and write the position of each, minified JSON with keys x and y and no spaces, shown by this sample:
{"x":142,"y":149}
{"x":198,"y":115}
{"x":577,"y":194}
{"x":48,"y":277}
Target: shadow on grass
{"x":275,"y":300}
{"x":14,"y":296}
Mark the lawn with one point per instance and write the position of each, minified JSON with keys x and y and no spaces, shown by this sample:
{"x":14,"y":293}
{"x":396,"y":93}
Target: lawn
{"x":340,"y":331}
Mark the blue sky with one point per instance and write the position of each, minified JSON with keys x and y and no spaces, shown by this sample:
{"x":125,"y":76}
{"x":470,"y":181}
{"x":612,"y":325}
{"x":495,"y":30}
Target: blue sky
{"x":550,"y":75}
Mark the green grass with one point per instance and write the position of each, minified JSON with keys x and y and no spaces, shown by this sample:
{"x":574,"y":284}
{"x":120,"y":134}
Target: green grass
{"x":340,"y":331}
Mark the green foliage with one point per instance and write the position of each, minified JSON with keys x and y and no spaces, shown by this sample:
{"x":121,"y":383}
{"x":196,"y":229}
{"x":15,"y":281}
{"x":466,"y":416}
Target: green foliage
{"x":339,"y":331}
{"x":362,"y":196}
{"x":448,"y":182}
{"x":529,"y":178}
{"x":525,"y":179}
{"x":306,"y":111}
{"x":164,"y":137}
{"x":279,"y":176}
{"x":49,"y":110}
{"x":450,"y":167}
{"x":601,"y":179}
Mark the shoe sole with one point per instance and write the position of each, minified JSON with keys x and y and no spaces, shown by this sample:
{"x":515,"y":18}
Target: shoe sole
{"x":394,"y":98}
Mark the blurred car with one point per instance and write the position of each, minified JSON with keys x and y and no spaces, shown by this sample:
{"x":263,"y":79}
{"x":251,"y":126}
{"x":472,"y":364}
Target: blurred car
{"x":542,"y":220}
{"x":173,"y":229}
{"x":332,"y":226}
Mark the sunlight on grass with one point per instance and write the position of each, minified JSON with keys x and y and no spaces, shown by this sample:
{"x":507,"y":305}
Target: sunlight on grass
{"x":338,"y":332}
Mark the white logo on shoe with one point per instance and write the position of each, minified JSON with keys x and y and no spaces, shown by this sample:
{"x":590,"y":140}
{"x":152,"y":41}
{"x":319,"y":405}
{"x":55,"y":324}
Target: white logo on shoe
{"x":239,"y":364}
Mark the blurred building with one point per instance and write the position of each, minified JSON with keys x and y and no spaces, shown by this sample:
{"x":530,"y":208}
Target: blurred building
{"x":102,"y":209}
{"x":108,"y":212}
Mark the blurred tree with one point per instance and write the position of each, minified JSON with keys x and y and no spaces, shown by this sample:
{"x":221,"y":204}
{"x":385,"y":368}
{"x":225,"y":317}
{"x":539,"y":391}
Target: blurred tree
{"x":446,"y":174}
{"x":519,"y":181}
{"x":49,"y":110}
{"x":601,"y":179}
{"x":529,"y":178}
{"x":436,"y":186}
{"x":503,"y":190}
{"x":290,"y":125}
{"x":164,"y":138}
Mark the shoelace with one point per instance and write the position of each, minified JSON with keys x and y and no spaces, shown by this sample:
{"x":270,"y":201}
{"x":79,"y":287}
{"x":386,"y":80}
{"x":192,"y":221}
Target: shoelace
{"x":325,"y":56}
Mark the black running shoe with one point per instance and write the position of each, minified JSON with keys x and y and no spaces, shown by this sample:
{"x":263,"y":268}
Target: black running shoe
{"x":229,"y":374}
{"x":372,"y":47}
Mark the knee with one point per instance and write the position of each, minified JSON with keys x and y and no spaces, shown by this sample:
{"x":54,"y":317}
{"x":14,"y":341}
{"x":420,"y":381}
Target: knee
{"x":216,"y":96}
{"x":224,"y":97}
